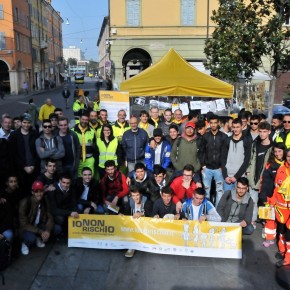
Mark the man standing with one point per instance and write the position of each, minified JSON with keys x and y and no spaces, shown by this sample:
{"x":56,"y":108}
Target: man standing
{"x":284,"y":135}
{"x":210,"y":151}
{"x":66,"y":95}
{"x":87,"y":141}
{"x":134,"y":142}
{"x":45,"y":110}
{"x":154,"y":119}
{"x":6,"y":127}
{"x":236,"y":206}
{"x":261,"y":151}
{"x":160,"y":153}
{"x":72,"y":148}
{"x":79,"y":107}
{"x":277,"y":125}
{"x":253,"y":133}
{"x":25,"y":160}
{"x":144,"y":124}
{"x":121,"y":125}
{"x":93,"y":122}
{"x":167,"y":115}
{"x":103,"y":119}
{"x":49,"y":146}
{"x":184,"y":149}
{"x":235,"y":156}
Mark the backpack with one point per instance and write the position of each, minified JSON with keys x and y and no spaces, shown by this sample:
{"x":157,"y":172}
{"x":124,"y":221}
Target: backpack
{"x":5,"y":256}
{"x":284,"y":189}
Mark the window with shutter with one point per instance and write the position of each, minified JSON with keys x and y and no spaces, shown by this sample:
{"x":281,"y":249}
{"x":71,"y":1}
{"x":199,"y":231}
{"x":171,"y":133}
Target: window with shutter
{"x":133,"y":12}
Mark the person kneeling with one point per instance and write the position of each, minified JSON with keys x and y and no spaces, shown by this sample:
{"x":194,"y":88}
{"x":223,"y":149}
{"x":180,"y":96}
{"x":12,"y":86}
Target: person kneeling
{"x":140,"y":206}
{"x":236,"y":206}
{"x":164,"y":207}
{"x":36,"y":221}
{"x":199,"y":208}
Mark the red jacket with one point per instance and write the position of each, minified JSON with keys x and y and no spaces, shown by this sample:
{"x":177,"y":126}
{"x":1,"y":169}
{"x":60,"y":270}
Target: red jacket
{"x":278,"y":198}
{"x":116,"y":187}
{"x":181,"y":193}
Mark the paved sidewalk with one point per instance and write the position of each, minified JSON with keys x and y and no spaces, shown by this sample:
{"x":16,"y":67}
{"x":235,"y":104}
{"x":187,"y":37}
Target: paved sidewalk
{"x":59,"y":267}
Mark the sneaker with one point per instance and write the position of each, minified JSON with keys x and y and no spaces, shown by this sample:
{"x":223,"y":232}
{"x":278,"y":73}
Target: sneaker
{"x":267,"y":244}
{"x":24,"y":249}
{"x":130,"y":253}
{"x":40,"y":243}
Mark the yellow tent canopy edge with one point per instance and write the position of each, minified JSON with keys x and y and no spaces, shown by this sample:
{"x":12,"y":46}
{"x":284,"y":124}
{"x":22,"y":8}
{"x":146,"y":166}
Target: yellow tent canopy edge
{"x":174,"y":76}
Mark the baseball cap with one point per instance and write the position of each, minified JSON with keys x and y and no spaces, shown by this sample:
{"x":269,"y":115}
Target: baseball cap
{"x":26,"y":117}
{"x":190,"y":124}
{"x":37,"y":185}
{"x":157,"y":132}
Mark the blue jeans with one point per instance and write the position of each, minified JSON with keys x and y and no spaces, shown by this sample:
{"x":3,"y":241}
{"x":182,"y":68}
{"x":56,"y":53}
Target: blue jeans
{"x":248,"y":230}
{"x":98,"y":210}
{"x":230,"y":186}
{"x":207,"y":176}
{"x":29,"y":238}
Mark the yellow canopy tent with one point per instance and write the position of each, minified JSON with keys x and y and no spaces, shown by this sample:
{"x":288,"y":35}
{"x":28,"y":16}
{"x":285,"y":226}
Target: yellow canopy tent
{"x":174,"y":76}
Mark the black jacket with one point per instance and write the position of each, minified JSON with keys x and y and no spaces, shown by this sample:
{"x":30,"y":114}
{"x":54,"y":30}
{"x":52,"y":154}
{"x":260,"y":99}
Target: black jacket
{"x":17,"y":148}
{"x":94,"y":193}
{"x":210,"y":149}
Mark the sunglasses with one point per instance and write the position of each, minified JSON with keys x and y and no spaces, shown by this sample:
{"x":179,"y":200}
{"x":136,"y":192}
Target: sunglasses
{"x":286,"y":122}
{"x":254,"y":123}
{"x":47,"y":126}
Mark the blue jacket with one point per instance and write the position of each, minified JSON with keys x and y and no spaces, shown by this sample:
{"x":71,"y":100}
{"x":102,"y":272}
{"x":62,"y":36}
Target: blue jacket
{"x":134,"y":144}
{"x":164,"y":159}
{"x":206,"y":208}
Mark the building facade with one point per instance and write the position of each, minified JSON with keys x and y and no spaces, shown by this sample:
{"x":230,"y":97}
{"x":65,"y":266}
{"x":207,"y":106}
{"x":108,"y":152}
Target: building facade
{"x":73,"y":52}
{"x":31,"y":44}
{"x":141,"y":32}
{"x":15,"y":48}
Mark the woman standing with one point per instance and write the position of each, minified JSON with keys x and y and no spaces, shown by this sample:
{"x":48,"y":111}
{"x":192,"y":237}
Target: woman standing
{"x":281,"y":202}
{"x":108,"y":148}
{"x":276,"y":160}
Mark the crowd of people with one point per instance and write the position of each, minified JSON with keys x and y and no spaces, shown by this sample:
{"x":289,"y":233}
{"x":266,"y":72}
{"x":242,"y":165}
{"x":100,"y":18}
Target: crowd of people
{"x":161,"y":165}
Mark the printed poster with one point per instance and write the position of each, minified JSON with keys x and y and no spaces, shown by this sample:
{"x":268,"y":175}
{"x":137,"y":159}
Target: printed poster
{"x":160,"y":236}
{"x":113,"y":102}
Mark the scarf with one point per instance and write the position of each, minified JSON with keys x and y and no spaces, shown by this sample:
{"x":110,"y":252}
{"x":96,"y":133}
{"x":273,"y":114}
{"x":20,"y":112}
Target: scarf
{"x":122,"y":126}
{"x":279,"y":162}
{"x":83,"y":131}
{"x":143,"y":126}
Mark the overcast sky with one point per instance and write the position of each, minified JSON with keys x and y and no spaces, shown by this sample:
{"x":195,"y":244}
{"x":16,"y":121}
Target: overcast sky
{"x":85,"y":18}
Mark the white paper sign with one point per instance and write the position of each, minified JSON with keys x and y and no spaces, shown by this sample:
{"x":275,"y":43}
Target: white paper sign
{"x":220,"y":105}
{"x":184,"y":108}
{"x":212,"y":106}
{"x":195,"y":105}
{"x":205,"y":107}
{"x":174,"y":107}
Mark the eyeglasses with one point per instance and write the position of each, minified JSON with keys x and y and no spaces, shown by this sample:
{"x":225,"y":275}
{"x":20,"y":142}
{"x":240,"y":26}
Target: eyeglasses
{"x":254,"y":123}
{"x":288,"y":122}
{"x":47,"y":126}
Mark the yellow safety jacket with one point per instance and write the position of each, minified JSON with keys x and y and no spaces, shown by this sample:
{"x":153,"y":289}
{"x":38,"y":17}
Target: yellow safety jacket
{"x":284,"y":138}
{"x":90,"y":140}
{"x":107,"y":152}
{"x":119,"y":130}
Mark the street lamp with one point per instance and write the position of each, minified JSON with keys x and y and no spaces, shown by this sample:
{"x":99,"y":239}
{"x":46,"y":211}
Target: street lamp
{"x":67,"y":22}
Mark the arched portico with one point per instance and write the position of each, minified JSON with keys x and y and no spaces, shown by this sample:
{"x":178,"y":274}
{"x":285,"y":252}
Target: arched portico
{"x":134,"y":61}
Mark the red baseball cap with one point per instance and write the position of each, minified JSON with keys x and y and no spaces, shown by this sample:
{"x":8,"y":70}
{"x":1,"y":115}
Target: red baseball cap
{"x":37,"y":185}
{"x":190,"y":124}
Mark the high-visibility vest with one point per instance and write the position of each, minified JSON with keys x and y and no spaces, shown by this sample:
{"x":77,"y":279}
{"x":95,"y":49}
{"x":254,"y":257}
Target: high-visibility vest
{"x":107,"y":153}
{"x":89,"y":139}
{"x":284,"y":138}
{"x":119,"y":131}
